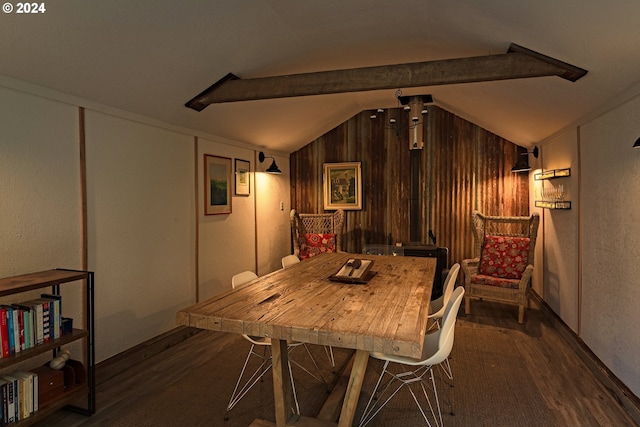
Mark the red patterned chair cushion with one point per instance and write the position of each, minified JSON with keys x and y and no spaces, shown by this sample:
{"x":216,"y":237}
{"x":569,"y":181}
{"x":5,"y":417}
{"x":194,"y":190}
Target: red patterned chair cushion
{"x":481,"y":279}
{"x":313,"y":244}
{"x":504,"y":256}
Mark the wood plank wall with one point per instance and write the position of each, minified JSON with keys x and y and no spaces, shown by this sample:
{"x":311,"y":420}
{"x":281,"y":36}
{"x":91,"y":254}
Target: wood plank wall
{"x":463,"y":167}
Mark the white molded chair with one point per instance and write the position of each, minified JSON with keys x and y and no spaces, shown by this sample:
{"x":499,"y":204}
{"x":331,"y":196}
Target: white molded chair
{"x":265,"y":358}
{"x":289,"y":260}
{"x":437,"y":306}
{"x":437,"y":347}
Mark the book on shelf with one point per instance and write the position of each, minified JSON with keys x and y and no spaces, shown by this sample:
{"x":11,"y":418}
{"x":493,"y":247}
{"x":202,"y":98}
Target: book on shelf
{"x":36,"y":392}
{"x":19,"y":328}
{"x":19,"y":395}
{"x":16,"y":329}
{"x":13,"y":328}
{"x":46,"y":319}
{"x":9,"y":313}
{"x":4,"y":332}
{"x":12,"y":406}
{"x":29,"y":323}
{"x":4,"y":401}
{"x":55,"y":302}
{"x":28,"y":320}
{"x":38,"y":325}
{"x":25,"y":380}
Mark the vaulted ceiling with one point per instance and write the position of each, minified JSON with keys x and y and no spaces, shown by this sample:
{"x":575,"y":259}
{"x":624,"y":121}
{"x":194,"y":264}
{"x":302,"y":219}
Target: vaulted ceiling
{"x":150,"y":57}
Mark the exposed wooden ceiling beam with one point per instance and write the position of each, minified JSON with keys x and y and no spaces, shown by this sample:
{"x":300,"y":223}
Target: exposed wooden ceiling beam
{"x":517,"y":63}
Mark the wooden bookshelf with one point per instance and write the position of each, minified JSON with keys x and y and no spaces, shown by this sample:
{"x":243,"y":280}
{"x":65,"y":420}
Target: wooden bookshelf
{"x":54,"y":279}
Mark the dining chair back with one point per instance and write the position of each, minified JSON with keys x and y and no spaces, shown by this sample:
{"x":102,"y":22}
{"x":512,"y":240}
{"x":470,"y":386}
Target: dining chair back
{"x":242,"y":278}
{"x":438,"y":305}
{"x":289,"y":260}
{"x":407,"y":372}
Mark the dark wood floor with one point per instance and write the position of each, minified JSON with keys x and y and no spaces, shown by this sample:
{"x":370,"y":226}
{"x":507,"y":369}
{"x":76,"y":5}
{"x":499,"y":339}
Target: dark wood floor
{"x":563,"y":389}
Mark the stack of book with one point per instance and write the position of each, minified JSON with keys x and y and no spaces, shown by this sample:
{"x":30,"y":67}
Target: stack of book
{"x":19,"y":394}
{"x":29,"y":323}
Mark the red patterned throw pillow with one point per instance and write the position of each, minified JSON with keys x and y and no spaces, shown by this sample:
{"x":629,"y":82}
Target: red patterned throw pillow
{"x":313,"y":244}
{"x":504,"y":256}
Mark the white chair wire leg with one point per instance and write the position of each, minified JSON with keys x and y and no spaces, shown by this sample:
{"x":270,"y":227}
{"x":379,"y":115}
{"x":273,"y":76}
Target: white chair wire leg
{"x":317,"y":377}
{"x":379,"y":399}
{"x":329,"y":352}
{"x":264,"y":367}
{"x":446,"y":368}
{"x":434,"y":325}
{"x":449,"y":395}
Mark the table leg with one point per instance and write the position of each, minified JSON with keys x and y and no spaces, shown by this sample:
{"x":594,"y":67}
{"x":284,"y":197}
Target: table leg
{"x":353,"y":389}
{"x":282,"y":388}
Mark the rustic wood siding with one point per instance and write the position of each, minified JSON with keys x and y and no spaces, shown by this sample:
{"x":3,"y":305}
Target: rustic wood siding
{"x":463,"y":167}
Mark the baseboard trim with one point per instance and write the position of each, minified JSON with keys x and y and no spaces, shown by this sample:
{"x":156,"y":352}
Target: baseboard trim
{"x":117,"y":364}
{"x":625,"y":397}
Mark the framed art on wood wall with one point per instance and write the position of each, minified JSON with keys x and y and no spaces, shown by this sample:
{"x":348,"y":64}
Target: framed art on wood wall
{"x":243,"y":174}
{"x":217,"y":185}
{"x":342,"y":186}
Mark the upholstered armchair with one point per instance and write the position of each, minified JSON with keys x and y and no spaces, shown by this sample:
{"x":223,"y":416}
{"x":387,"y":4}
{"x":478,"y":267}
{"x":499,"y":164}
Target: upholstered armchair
{"x":501,"y":270}
{"x":316,"y":233}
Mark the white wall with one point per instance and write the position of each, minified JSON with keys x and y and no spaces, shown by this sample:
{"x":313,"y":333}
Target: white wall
{"x":610,"y":240}
{"x":273,"y":206}
{"x":40,"y":212}
{"x":257,"y":232}
{"x":560,"y":229}
{"x":40,"y":204}
{"x":147,"y":243}
{"x":141,"y":228}
{"x":590,"y":269}
{"x":227,"y":242}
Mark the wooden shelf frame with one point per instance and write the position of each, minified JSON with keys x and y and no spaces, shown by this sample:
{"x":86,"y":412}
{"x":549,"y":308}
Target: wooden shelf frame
{"x":565,"y":204}
{"x":552,"y":173}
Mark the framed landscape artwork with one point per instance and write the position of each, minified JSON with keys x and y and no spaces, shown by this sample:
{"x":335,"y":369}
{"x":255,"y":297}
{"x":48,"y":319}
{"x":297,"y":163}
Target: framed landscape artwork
{"x":342,"y":186}
{"x":217,"y":185}
{"x":243,"y":177}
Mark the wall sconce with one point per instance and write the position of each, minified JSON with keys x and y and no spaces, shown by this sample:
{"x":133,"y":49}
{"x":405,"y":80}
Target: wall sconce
{"x":637,"y":143}
{"x":522,"y":165}
{"x":271,"y":169}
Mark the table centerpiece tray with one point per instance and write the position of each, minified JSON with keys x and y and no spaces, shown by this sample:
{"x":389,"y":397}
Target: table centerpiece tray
{"x":355,"y":271}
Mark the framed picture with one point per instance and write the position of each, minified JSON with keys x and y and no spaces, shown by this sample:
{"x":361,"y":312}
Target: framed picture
{"x":217,"y":185}
{"x":243,"y":177}
{"x":342,"y":185}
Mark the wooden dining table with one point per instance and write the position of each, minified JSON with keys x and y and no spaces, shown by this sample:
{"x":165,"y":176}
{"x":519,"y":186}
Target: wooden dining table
{"x":387,"y":314}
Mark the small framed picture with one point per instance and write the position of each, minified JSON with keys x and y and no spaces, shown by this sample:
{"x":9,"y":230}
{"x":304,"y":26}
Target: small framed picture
{"x":243,"y":177}
{"x":217,"y":185}
{"x":342,"y":186}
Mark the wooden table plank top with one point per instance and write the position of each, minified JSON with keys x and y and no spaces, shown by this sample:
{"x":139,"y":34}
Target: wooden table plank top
{"x":388,"y":314}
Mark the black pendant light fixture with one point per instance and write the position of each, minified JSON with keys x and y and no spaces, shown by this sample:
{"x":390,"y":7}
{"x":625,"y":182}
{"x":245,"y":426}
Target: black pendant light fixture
{"x":416,"y":108}
{"x":522,"y":165}
{"x":637,"y":143}
{"x":271,"y":169}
